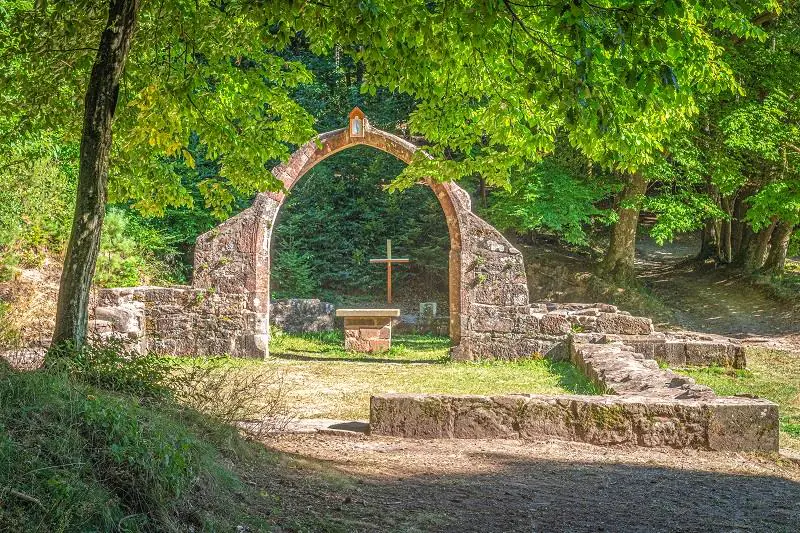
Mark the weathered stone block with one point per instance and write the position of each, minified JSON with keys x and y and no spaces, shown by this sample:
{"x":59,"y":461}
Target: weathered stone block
{"x":732,"y":424}
{"x":626,"y":325}
{"x":736,"y":424}
{"x":368,"y":330}
{"x":554,"y":325}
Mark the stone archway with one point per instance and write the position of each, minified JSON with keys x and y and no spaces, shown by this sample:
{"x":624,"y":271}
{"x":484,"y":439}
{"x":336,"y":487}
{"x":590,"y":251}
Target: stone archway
{"x":488,"y":293}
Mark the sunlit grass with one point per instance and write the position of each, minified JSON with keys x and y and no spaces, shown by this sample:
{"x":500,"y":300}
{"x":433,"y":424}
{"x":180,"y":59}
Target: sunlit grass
{"x":325,"y":381}
{"x":330,"y":345}
{"x":771,"y":374}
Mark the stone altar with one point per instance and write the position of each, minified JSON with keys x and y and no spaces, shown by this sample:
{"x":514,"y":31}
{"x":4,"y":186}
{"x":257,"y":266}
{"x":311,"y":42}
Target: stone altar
{"x":368,"y":330}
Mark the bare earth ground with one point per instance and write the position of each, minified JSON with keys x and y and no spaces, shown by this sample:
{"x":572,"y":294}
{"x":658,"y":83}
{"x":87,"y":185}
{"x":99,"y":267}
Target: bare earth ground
{"x":716,"y":300}
{"x":349,"y":481}
{"x":362,"y":483}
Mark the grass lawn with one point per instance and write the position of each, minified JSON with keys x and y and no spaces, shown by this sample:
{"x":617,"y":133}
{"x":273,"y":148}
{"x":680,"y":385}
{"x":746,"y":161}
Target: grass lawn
{"x":770,"y":374}
{"x":323,"y":380}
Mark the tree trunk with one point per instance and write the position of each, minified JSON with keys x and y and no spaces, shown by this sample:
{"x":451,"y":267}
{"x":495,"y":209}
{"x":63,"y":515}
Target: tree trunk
{"x":100,"y":103}
{"x":726,"y":232}
{"x":779,"y":245}
{"x":756,"y":251}
{"x":482,"y":190}
{"x":709,"y":244}
{"x":618,"y":262}
{"x":740,"y":230}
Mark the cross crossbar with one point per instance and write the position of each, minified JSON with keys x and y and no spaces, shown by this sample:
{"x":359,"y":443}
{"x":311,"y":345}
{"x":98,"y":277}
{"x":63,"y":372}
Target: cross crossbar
{"x":398,"y":260}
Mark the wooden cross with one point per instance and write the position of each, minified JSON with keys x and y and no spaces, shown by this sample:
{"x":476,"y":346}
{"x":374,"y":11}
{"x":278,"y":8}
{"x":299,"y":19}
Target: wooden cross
{"x":389,"y":260}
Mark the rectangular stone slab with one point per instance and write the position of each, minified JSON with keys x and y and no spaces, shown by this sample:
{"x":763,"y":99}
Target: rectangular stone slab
{"x":367,"y":312}
{"x":723,"y":424}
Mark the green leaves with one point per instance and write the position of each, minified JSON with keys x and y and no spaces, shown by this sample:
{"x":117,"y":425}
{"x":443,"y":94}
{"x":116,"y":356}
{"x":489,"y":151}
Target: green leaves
{"x":194,"y":66}
{"x":496,"y":80}
{"x":549,"y":198}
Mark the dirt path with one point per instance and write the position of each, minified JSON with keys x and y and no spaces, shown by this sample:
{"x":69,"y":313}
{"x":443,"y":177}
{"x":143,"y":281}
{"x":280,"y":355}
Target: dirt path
{"x":366,"y":483}
{"x":715,"y":300}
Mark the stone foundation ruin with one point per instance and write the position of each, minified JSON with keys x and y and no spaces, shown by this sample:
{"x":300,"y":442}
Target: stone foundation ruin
{"x":227,"y":311}
{"x":643,"y":405}
{"x":227,"y":308}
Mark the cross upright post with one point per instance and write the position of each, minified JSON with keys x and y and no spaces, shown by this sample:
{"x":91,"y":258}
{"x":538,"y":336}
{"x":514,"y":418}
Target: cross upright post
{"x":389,"y":260}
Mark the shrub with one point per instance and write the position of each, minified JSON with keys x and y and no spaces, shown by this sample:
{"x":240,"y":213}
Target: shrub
{"x":109,"y":365}
{"x":294,"y":274}
{"x":251,"y":396}
{"x":132,"y":253}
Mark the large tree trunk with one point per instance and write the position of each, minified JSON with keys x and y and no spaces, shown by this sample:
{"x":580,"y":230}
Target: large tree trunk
{"x":778,"y":247}
{"x":756,"y":251}
{"x":618,"y":263}
{"x":100,"y":103}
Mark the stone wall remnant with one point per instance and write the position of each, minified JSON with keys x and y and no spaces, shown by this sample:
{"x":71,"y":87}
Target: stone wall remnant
{"x":490,"y":312}
{"x":485,"y":270}
{"x":720,"y":424}
{"x":303,"y":315}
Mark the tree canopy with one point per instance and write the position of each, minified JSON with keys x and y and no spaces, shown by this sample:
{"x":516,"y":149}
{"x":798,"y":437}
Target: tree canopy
{"x":494,"y":83}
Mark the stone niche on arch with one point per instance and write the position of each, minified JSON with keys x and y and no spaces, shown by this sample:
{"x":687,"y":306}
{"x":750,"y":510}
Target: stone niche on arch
{"x":226,"y":310}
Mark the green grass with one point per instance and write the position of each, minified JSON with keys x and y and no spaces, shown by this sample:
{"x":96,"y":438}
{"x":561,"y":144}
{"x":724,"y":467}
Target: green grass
{"x":771,"y":374}
{"x":330,"y":346}
{"x":74,"y":457}
{"x":325,"y":381}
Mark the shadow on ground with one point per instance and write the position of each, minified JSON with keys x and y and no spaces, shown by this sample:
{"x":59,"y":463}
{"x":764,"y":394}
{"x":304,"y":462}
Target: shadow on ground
{"x":453,"y":489}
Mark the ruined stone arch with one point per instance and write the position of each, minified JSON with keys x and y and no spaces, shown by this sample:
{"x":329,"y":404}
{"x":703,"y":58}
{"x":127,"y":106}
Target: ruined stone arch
{"x":486,"y":274}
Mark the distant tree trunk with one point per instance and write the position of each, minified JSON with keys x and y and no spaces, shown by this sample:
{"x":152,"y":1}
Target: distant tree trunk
{"x":778,"y":247}
{"x":709,"y":243}
{"x":482,"y":190}
{"x":100,"y":103}
{"x":618,"y":263}
{"x":360,"y":68}
{"x":725,"y":234}
{"x":755,"y":253}
{"x":740,"y":230}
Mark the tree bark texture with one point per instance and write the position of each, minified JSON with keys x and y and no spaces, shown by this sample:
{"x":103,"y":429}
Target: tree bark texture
{"x":100,"y":104}
{"x":618,"y":263}
{"x":778,"y":247}
{"x":755,"y":253}
{"x":709,"y":244}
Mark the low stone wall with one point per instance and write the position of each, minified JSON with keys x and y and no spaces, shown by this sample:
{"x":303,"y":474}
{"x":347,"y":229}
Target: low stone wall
{"x":684,"y":348}
{"x":645,"y":405}
{"x":178,"y":321}
{"x":619,"y":369}
{"x":297,"y":315}
{"x":724,"y":424}
{"x":513,"y":332}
